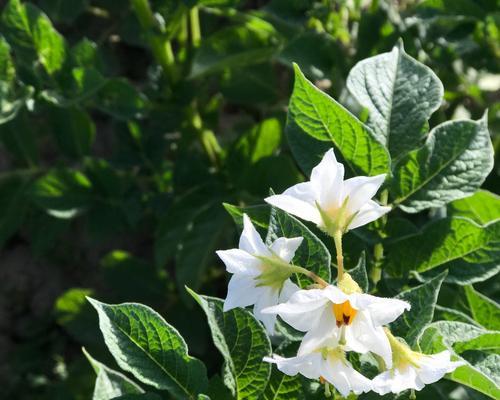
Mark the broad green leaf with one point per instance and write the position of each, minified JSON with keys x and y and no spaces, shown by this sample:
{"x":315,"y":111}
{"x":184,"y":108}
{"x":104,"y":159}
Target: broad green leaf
{"x":7,"y":69}
{"x":143,"y":344}
{"x":281,"y":386}
{"x":32,"y":35}
{"x":243,"y":343}
{"x":450,"y":314}
{"x":251,"y":42}
{"x":73,"y":130}
{"x":400,"y":94}
{"x":448,"y":241}
{"x":142,"y":396}
{"x":64,"y":11}
{"x":63,"y":193}
{"x":120,"y":99}
{"x":358,"y":273}
{"x":75,"y":315}
{"x":422,"y":299}
{"x":110,"y":383}
{"x":311,"y":254}
{"x":261,"y":141}
{"x":13,"y":205}
{"x":13,"y":97}
{"x":457,"y":337}
{"x":482,"y":207}
{"x":484,"y":310}
{"x":313,"y":113}
{"x":453,"y":163}
{"x":259,"y":214}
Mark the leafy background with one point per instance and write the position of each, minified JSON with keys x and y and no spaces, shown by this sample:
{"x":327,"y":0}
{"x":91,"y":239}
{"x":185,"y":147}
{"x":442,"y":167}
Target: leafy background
{"x":117,"y":154}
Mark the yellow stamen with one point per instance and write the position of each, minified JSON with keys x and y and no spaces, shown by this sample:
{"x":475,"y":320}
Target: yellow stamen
{"x":344,"y":313}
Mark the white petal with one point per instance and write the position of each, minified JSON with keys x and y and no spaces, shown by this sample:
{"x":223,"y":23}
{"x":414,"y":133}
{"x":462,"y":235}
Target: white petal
{"x":368,"y":213}
{"x":323,"y":334}
{"x":288,"y":289}
{"x":335,"y":295}
{"x":241,"y":292}
{"x":434,"y":367}
{"x":268,"y":298}
{"x":396,"y":381}
{"x":239,"y":262}
{"x":307,"y":365}
{"x":360,"y":190}
{"x":345,"y":378}
{"x":250,"y":240}
{"x":362,"y":336}
{"x":327,"y":178}
{"x":285,"y":248}
{"x":382,"y":310}
{"x":302,"y":310}
{"x":299,"y":200}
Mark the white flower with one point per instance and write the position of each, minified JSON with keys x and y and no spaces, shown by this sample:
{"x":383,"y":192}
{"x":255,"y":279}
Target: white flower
{"x":411,"y":369}
{"x":260,"y":273}
{"x":355,"y":320}
{"x":331,"y":202}
{"x":415,"y":372}
{"x":327,"y":364}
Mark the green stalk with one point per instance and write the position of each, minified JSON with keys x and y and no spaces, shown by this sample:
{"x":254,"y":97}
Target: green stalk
{"x":160,"y":47}
{"x":378,"y":249}
{"x":194,"y":22}
{"x":337,"y":238}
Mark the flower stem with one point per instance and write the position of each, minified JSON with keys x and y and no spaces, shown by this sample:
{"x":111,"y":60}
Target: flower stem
{"x":378,"y":249}
{"x":337,"y":238}
{"x":300,"y":270}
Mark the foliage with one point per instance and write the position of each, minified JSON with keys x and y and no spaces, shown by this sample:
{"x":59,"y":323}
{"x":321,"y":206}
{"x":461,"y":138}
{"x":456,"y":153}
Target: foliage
{"x":124,"y":126}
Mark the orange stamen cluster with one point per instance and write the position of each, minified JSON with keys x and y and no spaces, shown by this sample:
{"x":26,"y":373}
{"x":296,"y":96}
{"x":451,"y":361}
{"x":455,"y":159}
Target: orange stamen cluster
{"x":344,"y":313}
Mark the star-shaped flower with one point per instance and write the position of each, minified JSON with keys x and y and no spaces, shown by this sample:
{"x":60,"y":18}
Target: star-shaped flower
{"x":332,"y":203}
{"x":260,"y":273}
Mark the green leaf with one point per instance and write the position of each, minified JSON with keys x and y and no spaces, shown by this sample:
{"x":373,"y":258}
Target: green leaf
{"x":400,"y":94}
{"x":359,"y":274}
{"x":453,"y":163}
{"x":311,"y":254}
{"x":75,"y":315}
{"x":12,"y":98}
{"x":482,"y":207}
{"x":120,"y":99}
{"x":251,"y":42}
{"x":448,"y":242}
{"x":110,"y":383}
{"x":423,"y":299}
{"x":73,"y":129}
{"x":263,"y":140}
{"x":7,"y":69}
{"x":314,"y":113}
{"x":484,"y":310}
{"x":63,"y":193}
{"x":259,"y":214}
{"x":32,"y":35}
{"x":243,"y":343}
{"x":64,"y":11}
{"x":19,"y":135}
{"x":282,"y":386}
{"x":143,"y":344}
{"x":457,"y":337}
{"x":450,"y":314}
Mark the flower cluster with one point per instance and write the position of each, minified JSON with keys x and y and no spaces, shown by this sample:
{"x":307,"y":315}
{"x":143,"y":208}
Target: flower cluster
{"x":336,"y":319}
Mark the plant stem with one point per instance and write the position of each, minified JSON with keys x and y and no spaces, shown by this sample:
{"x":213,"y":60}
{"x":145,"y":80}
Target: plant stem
{"x":378,"y":249}
{"x":194,"y":21}
{"x":337,"y":238}
{"x":160,"y":46}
